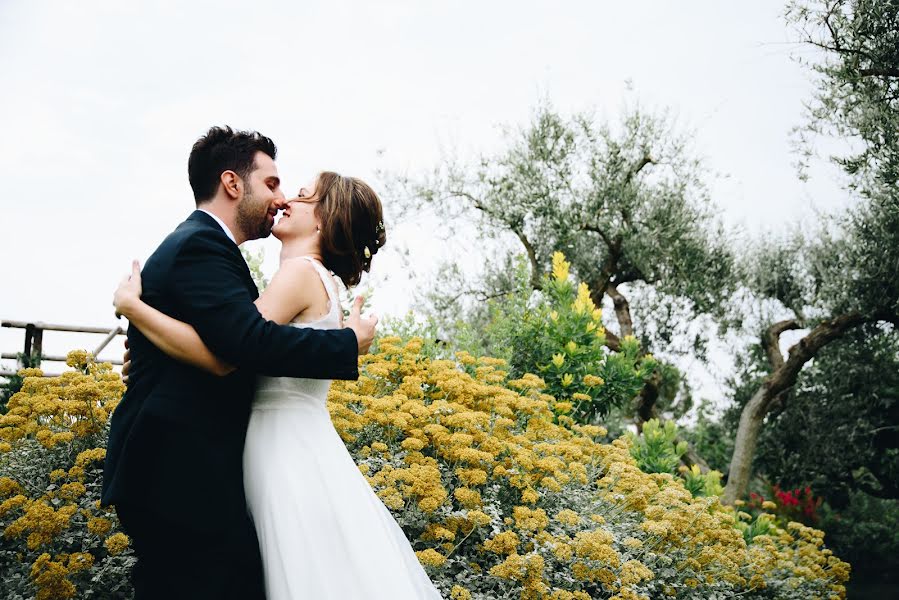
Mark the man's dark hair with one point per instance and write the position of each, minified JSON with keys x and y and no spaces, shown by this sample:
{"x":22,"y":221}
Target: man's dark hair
{"x":223,"y":149}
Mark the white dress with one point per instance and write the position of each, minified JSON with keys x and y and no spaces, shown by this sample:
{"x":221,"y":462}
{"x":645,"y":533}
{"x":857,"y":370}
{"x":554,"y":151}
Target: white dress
{"x":323,"y":532}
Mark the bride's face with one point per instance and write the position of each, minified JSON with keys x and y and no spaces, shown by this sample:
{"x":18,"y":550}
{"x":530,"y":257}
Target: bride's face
{"x":298,"y":219}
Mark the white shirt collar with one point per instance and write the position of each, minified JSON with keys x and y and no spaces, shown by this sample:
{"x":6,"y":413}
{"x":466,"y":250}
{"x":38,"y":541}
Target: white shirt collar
{"x":221,"y":224}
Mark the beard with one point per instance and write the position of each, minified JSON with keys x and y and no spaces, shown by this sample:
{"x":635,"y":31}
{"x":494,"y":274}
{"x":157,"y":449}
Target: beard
{"x":252,"y":217}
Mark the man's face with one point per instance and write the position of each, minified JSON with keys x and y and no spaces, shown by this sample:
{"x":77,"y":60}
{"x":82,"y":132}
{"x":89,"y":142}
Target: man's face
{"x":262,"y":199}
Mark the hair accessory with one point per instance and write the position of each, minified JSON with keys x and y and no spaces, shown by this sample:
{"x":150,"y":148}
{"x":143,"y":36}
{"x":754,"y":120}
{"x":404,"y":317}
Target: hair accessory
{"x":367,"y":252}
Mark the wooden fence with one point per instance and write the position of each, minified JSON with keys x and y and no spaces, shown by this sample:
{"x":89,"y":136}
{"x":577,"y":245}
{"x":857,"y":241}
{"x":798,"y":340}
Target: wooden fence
{"x":34,"y":341}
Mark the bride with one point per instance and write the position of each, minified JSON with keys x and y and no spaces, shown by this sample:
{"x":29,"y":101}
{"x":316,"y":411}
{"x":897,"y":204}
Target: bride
{"x":322,"y":531}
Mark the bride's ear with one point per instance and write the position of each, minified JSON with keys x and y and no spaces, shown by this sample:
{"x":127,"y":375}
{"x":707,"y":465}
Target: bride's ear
{"x":231,"y":183}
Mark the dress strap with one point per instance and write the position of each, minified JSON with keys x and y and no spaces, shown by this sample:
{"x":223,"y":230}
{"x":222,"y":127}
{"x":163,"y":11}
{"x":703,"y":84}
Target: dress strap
{"x":329,"y":283}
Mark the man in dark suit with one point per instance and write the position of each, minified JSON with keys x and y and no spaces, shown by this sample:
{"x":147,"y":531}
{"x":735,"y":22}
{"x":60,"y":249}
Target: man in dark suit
{"x":174,"y":460}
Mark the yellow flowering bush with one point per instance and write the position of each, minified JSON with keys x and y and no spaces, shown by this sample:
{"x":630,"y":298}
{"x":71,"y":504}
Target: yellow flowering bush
{"x":499,"y":496}
{"x":503,"y":498}
{"x":562,"y":338}
{"x":55,"y":540}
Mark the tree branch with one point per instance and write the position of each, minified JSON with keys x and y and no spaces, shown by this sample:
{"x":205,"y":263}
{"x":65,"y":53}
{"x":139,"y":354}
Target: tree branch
{"x":646,"y":160}
{"x":771,"y":342}
{"x":532,"y":257}
{"x":886,"y":491}
{"x":613,"y":342}
{"x":622,"y":311}
{"x":601,"y":233}
{"x":528,"y":246}
{"x":879,"y":72}
{"x":839,"y":50}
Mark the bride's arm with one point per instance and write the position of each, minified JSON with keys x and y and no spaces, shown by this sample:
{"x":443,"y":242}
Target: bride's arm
{"x":287,"y":295}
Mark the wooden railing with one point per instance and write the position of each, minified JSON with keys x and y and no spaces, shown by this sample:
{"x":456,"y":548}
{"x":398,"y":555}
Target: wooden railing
{"x":34,"y":342}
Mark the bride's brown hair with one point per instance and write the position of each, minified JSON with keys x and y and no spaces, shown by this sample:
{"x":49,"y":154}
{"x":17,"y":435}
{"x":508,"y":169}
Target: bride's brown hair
{"x":352,"y":225}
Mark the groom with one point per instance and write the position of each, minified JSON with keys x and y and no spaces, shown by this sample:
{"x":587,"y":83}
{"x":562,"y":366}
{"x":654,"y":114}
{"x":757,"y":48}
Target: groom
{"x":174,"y":460}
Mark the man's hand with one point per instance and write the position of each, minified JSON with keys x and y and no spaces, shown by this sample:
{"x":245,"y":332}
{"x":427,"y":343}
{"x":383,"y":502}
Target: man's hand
{"x":129,"y":291}
{"x":363,"y":328}
{"x":126,"y":363}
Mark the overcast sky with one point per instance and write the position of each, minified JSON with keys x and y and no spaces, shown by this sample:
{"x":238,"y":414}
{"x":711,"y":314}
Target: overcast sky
{"x":101,"y":102}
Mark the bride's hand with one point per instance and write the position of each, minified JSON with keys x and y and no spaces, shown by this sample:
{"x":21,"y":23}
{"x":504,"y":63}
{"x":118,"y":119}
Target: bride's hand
{"x":129,"y":291}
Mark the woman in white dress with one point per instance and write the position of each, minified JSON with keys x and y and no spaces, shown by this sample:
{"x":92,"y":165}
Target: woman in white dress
{"x":323,"y":532}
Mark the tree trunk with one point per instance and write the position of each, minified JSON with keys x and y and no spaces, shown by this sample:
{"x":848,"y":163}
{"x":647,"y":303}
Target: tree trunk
{"x":744,"y":447}
{"x":783,"y":376}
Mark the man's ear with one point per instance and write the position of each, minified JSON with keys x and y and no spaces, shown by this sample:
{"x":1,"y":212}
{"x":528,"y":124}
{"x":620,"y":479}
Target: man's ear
{"x":231,"y":183}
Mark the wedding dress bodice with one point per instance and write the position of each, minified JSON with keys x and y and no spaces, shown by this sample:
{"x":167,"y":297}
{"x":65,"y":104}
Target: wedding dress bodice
{"x":284,"y":392}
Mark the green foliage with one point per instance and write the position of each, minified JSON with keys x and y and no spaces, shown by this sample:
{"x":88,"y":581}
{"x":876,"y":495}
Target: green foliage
{"x":838,"y":432}
{"x":711,"y":437}
{"x":856,"y":45}
{"x":865,"y":531}
{"x":657,"y":449}
{"x":702,"y":484}
{"x":562,"y":339}
{"x":254,"y":262}
{"x":752,"y":527}
{"x":489,"y":329}
{"x":625,"y":201}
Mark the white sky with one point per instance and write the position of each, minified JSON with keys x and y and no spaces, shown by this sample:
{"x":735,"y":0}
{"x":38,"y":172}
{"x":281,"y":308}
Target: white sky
{"x":101,"y":102}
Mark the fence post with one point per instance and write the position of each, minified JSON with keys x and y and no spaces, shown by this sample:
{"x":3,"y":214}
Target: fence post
{"x":34,"y":342}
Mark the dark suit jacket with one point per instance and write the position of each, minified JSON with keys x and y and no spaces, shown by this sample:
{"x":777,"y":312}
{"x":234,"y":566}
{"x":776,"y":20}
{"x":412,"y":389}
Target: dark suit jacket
{"x":176,"y":439}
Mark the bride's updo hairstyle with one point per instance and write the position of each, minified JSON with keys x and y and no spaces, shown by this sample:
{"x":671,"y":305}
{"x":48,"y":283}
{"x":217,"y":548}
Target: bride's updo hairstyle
{"x":352,"y":225}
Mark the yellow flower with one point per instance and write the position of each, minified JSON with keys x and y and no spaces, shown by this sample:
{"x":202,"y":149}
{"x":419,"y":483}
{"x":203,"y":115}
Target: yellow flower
{"x":99,"y":526}
{"x":505,"y":542}
{"x":567,"y":379}
{"x":558,"y":360}
{"x":592,"y":380}
{"x":430,"y":557}
{"x":529,"y":496}
{"x":459,"y":593}
{"x":412,"y":444}
{"x":117,"y":543}
{"x":9,"y":487}
{"x":560,"y":267}
{"x":571,"y":347}
{"x":467,"y":497}
{"x":478,"y":517}
{"x":568,"y":517}
{"x":583,"y":303}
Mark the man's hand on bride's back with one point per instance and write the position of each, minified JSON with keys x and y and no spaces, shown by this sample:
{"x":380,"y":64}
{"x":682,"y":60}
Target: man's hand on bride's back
{"x":364,"y":327}
{"x":129,"y":291}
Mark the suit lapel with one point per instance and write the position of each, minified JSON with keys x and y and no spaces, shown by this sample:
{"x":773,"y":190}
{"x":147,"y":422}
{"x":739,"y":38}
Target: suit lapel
{"x":201,"y":219}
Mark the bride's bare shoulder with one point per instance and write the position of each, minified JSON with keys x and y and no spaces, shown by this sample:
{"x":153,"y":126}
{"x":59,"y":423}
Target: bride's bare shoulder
{"x":290,"y":292}
{"x":299,"y":267}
